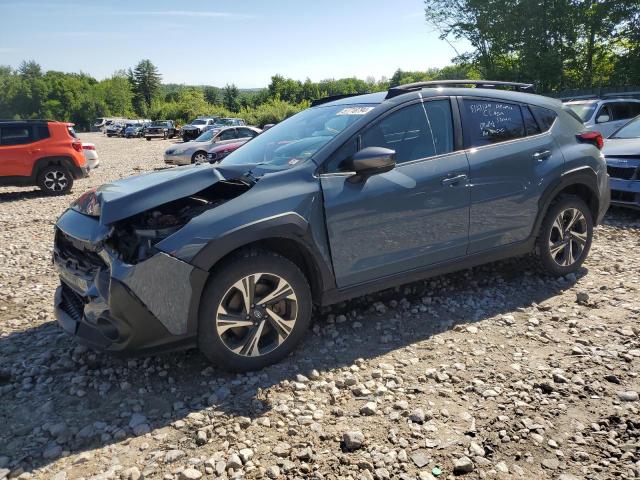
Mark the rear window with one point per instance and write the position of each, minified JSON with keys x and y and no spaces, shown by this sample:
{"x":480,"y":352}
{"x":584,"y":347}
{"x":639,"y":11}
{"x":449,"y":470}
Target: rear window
{"x":584,"y":111}
{"x":72,"y":132}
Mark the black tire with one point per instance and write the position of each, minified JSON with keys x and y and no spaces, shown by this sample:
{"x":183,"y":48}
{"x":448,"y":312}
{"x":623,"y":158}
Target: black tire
{"x":148,"y":139}
{"x":216,"y":295}
{"x":199,"y":156}
{"x":55,"y":180}
{"x":569,"y":238}
{"x":164,"y":135}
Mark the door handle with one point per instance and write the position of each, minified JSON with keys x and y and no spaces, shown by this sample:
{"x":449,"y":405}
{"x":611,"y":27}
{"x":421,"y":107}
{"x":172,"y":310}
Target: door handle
{"x":453,"y":180}
{"x":542,"y":155}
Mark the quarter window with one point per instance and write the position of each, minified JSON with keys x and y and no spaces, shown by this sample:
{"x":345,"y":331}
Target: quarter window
{"x":544,"y":116}
{"x":530,"y":124}
{"x":487,"y":122}
{"x":15,"y":134}
{"x":418,"y":131}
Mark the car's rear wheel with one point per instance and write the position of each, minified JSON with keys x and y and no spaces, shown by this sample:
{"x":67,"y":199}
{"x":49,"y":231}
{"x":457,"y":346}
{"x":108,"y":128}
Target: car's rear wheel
{"x":565,"y":236}
{"x":148,"y":139}
{"x":55,"y":180}
{"x":199,"y":157}
{"x":255,"y":310}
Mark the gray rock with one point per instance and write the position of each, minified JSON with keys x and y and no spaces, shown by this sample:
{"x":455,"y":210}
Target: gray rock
{"x":273,"y":472}
{"x":420,"y":458}
{"x":369,"y":408}
{"x":417,"y":416}
{"x":551,"y":463}
{"x":131,"y":473}
{"x":173,"y":455}
{"x":190,"y":474}
{"x":353,"y":440}
{"x":462,"y":465}
{"x":234,"y":462}
{"x":628,"y":396}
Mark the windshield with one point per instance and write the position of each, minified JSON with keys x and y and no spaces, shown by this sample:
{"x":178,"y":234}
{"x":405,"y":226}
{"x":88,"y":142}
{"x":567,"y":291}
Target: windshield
{"x":296,"y":139}
{"x":583,"y":110}
{"x":224,"y":121}
{"x":159,"y":123}
{"x":206,"y":136}
{"x":630,"y":130}
{"x":198,"y":122}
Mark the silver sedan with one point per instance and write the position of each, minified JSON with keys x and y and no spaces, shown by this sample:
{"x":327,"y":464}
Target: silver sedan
{"x":196,"y":150}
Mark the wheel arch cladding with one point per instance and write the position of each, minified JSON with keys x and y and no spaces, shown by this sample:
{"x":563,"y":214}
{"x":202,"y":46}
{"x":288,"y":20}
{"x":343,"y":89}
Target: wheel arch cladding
{"x":287,"y":235}
{"x":44,"y":162}
{"x":582,"y":183}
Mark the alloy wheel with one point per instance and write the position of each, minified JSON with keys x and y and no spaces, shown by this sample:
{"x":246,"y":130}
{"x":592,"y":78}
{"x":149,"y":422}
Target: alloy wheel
{"x":199,"y":158}
{"x":568,"y":237}
{"x":56,"y":180}
{"x":257,"y":314}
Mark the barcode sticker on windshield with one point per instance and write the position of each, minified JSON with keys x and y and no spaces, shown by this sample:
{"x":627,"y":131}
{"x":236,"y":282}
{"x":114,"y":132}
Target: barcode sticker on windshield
{"x":355,"y":111}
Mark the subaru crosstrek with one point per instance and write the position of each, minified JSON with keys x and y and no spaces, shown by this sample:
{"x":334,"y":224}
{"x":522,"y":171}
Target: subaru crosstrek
{"x":350,"y":196}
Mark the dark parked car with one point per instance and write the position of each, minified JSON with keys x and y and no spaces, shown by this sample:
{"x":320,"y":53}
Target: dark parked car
{"x":345,"y":198}
{"x":622,"y":153}
{"x":133,"y":130}
{"x":194,"y":129}
{"x":160,"y":129}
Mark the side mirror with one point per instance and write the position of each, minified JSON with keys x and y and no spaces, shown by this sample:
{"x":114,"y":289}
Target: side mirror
{"x":602,"y":119}
{"x":373,"y":160}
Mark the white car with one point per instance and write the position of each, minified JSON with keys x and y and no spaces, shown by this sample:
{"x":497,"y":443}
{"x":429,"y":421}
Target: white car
{"x":605,"y":115}
{"x":90,"y":155}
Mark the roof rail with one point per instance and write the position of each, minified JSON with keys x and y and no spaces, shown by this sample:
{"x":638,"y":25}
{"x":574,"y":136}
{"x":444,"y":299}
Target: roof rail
{"x":331,"y":98}
{"x":28,"y":120}
{"x":412,"y":87}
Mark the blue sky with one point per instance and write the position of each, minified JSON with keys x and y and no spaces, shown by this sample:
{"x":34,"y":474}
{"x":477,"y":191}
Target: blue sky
{"x":216,"y":42}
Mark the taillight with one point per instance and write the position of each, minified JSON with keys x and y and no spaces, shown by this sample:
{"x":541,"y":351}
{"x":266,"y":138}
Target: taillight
{"x":77,"y":146}
{"x":88,"y":147}
{"x":594,"y":138}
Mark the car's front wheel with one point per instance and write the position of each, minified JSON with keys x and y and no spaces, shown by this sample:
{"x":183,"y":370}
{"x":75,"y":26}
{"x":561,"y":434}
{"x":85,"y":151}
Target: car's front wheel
{"x":255,"y":310}
{"x":55,"y":180}
{"x":565,"y":236}
{"x":199,"y":157}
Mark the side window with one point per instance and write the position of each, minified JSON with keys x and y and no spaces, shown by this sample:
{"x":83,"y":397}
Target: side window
{"x":245,"y":132}
{"x":544,"y":116}
{"x":228,"y":134}
{"x":414,"y":132}
{"x":487,"y":122}
{"x":635,"y":109}
{"x":530,"y":124}
{"x":621,"y":111}
{"x":15,"y":134}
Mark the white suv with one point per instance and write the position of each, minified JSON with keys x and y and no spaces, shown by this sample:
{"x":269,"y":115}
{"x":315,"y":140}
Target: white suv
{"x":605,"y":116}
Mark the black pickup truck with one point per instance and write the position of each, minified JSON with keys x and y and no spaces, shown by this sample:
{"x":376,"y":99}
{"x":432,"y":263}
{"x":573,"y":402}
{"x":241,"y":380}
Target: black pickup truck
{"x":160,"y":129}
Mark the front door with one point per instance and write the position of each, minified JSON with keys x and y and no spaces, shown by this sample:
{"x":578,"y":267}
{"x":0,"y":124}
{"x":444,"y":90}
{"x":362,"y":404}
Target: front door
{"x":411,"y":217}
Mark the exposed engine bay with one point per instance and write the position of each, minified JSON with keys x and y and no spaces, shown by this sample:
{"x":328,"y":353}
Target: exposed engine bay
{"x":134,"y":238}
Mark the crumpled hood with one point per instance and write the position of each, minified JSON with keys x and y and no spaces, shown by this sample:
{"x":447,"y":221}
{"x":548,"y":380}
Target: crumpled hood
{"x":621,"y":146}
{"x":129,"y":196}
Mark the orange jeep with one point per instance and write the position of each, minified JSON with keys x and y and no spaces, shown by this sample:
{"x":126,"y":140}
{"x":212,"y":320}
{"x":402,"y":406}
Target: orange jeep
{"x":40,"y":152}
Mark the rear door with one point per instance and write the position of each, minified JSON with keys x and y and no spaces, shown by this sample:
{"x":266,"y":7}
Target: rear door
{"x":413,"y":216}
{"x":16,"y":154}
{"x":512,"y":158}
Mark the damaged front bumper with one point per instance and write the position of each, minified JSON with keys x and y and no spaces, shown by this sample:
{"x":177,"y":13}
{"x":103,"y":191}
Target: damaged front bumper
{"x":116,"y":306}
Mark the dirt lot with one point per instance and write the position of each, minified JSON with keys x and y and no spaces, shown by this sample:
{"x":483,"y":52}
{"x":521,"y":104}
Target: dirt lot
{"x":496,"y":372}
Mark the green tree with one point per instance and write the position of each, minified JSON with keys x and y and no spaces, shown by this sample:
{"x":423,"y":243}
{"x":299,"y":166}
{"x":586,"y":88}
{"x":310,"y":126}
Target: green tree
{"x":230,"y":98}
{"x":146,"y":84}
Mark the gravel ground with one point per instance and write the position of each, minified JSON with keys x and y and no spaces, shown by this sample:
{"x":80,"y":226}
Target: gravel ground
{"x":495,"y":372}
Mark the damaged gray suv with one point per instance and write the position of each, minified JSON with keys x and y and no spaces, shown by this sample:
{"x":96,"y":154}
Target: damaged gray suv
{"x":353,"y":195}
